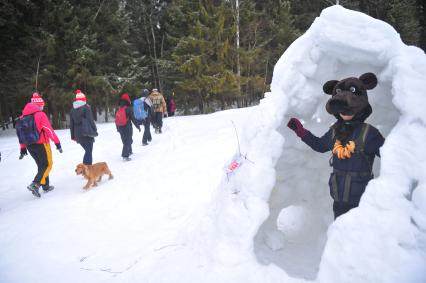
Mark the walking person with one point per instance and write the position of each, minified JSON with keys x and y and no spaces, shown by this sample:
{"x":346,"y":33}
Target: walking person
{"x":82,"y":126}
{"x":160,"y":108}
{"x":123,"y":120}
{"x":35,"y":132}
{"x":172,"y":105}
{"x":142,"y":111}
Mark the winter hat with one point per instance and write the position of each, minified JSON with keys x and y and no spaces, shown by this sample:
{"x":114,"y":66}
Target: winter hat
{"x":79,"y":96}
{"x":125,"y":96}
{"x":37,"y":100}
{"x":145,"y":92}
{"x":154,"y":90}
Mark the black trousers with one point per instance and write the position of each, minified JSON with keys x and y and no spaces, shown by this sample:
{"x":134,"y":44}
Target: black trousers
{"x":87,"y":144}
{"x":157,"y":121}
{"x":340,"y":208}
{"x":42,"y":155}
{"x":147,"y":131}
{"x":126,"y":134}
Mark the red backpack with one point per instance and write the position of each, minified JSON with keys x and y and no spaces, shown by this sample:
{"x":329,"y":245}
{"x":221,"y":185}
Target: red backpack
{"x":121,"y":117}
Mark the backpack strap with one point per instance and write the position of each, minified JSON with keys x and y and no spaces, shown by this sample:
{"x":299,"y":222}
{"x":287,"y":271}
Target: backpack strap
{"x":360,"y":147}
{"x":360,"y":144}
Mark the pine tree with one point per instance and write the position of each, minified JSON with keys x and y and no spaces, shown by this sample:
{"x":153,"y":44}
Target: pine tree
{"x":204,"y":56}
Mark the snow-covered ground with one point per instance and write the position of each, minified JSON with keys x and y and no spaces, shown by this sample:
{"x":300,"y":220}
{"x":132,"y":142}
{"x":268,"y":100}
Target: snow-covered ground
{"x":132,"y":221}
{"x":173,"y":214}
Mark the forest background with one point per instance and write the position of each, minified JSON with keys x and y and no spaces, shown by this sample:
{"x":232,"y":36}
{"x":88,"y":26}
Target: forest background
{"x":210,"y":54}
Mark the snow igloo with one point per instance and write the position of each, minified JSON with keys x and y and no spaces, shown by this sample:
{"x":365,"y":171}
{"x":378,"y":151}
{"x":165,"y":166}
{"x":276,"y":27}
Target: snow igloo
{"x":281,"y":193}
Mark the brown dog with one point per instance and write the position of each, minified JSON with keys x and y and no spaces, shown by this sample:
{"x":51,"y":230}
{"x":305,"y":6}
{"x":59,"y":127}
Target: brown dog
{"x":93,"y":173}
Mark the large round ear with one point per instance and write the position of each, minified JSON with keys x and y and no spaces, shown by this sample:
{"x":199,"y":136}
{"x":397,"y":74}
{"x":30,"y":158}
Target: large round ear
{"x":369,"y":80}
{"x":329,"y":86}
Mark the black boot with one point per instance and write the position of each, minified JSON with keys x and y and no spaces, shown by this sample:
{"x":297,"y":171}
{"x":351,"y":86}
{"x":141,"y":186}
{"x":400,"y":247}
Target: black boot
{"x":33,"y":187}
{"x":47,"y":188}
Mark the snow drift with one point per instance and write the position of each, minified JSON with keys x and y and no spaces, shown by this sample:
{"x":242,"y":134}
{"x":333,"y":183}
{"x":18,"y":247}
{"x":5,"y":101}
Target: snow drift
{"x":276,"y":209}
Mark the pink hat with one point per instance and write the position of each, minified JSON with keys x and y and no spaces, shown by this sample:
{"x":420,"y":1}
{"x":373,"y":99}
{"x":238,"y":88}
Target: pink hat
{"x":79,"y":96}
{"x":37,"y":100}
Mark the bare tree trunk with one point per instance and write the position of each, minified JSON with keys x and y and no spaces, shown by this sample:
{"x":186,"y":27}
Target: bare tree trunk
{"x":7,"y":112}
{"x":106,"y":107}
{"x":95,"y":113}
{"x":148,"y":42}
{"x":1,"y":112}
{"x":38,"y":67}
{"x":12,"y":113}
{"x":157,"y":79}
{"x":266,"y":73}
{"x":200,"y":103}
{"x":237,"y":42}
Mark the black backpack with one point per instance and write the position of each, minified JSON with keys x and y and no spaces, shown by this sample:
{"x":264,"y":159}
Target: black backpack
{"x":26,"y":130}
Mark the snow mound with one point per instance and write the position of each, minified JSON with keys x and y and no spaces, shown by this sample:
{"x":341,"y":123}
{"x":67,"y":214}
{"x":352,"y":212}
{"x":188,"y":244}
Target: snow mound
{"x":291,"y":220}
{"x":384,"y":240}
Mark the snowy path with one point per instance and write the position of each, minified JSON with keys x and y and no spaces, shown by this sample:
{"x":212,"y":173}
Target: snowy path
{"x":134,"y":219}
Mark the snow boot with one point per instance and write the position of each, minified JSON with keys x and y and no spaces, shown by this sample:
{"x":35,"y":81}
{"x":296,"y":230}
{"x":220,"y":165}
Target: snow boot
{"x":33,"y":188}
{"x":144,"y":143}
{"x":47,"y":188}
{"x":126,"y":159}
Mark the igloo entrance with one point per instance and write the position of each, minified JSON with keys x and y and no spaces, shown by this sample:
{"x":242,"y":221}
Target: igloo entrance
{"x":294,"y":235}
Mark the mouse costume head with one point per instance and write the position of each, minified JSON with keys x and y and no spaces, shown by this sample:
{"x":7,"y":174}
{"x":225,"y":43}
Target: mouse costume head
{"x":349,"y":96}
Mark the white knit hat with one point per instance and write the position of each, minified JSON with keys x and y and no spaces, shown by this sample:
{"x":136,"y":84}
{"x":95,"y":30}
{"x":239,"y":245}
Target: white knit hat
{"x":79,"y":95}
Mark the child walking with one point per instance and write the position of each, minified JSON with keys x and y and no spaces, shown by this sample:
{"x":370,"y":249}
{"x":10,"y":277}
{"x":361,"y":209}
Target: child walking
{"x":35,"y":132}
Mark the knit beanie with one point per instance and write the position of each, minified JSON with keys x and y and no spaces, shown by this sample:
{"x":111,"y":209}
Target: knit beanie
{"x":79,"y":96}
{"x":125,"y":96}
{"x":37,"y":100}
{"x":145,"y":92}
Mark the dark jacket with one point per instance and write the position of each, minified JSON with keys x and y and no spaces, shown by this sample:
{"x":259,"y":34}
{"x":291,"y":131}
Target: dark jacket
{"x":82,"y":124}
{"x":359,"y":164}
{"x":130,"y":118}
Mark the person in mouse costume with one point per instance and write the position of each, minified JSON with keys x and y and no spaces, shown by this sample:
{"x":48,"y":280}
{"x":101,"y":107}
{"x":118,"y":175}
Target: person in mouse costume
{"x":353,"y":143}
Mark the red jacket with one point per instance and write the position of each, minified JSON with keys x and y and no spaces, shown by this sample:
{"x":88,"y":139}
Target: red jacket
{"x":172,"y":105}
{"x":42,"y":123}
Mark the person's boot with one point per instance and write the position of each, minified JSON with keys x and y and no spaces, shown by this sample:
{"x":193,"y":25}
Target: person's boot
{"x":126,"y":159}
{"x":159,"y":130}
{"x":144,"y":143}
{"x":47,"y":188}
{"x":33,"y":188}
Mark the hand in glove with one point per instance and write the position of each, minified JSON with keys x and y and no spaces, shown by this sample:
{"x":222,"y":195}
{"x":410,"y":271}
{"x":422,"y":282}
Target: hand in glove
{"x":23,"y":153}
{"x":297,"y":127}
{"x":58,"y":147}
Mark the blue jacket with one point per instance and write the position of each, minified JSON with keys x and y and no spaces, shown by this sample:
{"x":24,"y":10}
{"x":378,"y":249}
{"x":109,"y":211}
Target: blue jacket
{"x":353,"y":173}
